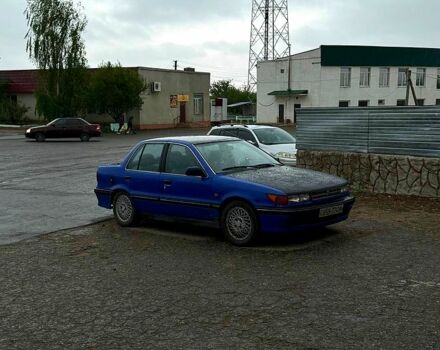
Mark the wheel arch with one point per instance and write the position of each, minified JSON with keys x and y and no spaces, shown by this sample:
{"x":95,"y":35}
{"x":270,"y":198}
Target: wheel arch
{"x":238,"y":198}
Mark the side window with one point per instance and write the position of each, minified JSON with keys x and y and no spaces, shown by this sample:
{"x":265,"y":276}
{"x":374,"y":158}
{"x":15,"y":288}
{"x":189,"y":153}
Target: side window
{"x":215,"y":132}
{"x":134,"y":161}
{"x":150,"y":159}
{"x":60,"y":123}
{"x":246,"y":135}
{"x":229,"y":132}
{"x":179,"y":158}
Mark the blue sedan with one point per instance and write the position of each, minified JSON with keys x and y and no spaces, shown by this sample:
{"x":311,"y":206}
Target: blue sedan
{"x":221,"y":181}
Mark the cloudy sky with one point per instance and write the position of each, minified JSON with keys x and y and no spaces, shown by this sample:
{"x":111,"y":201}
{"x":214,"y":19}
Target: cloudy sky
{"x":213,"y":36}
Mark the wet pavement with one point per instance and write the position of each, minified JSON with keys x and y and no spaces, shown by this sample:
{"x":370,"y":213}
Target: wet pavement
{"x":371,"y":282}
{"x":45,"y":187}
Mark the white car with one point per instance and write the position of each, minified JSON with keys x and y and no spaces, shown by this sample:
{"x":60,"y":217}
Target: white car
{"x":275,"y":141}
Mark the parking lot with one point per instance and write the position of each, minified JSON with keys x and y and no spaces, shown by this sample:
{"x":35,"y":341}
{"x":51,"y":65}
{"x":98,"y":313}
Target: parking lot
{"x":371,"y":282}
{"x":49,"y":186}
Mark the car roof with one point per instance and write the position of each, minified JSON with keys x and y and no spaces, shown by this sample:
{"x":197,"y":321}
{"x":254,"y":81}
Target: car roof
{"x":194,"y":139}
{"x":250,"y":126}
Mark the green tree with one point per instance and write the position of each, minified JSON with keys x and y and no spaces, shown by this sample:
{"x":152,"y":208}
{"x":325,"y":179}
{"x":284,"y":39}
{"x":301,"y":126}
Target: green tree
{"x":115,"y":90}
{"x":225,"y":88}
{"x":55,"y":45}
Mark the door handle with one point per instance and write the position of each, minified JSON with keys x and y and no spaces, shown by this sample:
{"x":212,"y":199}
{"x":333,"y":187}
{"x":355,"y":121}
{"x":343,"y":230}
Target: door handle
{"x":167,"y":183}
{"x":127,"y":178}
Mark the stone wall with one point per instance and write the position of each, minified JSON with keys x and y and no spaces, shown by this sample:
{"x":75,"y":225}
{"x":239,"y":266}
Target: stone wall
{"x":378,"y":173}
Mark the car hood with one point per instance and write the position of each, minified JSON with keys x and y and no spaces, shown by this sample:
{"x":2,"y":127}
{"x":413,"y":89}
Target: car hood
{"x":291,"y":180}
{"x":274,"y":149}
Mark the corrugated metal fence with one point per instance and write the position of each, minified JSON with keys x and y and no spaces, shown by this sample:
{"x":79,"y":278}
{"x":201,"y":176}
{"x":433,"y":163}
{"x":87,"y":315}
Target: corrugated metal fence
{"x":389,"y":130}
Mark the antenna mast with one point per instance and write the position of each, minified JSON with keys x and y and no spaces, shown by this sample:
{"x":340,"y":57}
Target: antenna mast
{"x":269,"y":34}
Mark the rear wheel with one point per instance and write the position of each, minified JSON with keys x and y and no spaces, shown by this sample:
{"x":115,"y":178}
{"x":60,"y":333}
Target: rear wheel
{"x":123,"y":210}
{"x":239,"y":223}
{"x":39,"y":137}
{"x":84,"y":137}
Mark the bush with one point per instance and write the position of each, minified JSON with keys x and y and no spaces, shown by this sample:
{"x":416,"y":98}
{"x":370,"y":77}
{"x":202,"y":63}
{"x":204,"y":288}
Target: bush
{"x":11,"y":112}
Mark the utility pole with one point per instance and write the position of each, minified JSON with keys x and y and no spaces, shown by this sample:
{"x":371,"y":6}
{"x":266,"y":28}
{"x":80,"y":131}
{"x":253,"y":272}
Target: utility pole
{"x":409,"y":85}
{"x":175,"y":64}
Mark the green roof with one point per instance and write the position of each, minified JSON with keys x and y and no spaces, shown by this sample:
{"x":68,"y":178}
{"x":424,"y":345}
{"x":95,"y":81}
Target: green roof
{"x":288,"y":92}
{"x":377,"y":56}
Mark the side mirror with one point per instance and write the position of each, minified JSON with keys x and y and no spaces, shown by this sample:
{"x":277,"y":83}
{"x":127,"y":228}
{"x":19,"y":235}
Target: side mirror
{"x":252,"y":143}
{"x":195,"y":171}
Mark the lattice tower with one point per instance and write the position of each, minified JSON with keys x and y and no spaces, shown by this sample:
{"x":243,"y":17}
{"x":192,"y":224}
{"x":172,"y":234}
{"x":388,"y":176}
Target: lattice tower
{"x":269,"y":34}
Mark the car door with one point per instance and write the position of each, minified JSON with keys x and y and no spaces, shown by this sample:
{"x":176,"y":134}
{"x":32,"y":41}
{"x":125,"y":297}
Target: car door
{"x":189,"y":197}
{"x":57,"y":129}
{"x":143,"y":178}
{"x":73,"y":128}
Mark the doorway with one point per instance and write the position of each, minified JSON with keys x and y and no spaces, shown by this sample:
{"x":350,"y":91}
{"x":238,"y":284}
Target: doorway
{"x":182,"y":118}
{"x":295,"y":107}
{"x":281,"y":114}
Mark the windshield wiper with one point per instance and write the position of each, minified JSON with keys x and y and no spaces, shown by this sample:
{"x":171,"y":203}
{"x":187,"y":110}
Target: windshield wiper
{"x":238,"y":167}
{"x":244,"y":167}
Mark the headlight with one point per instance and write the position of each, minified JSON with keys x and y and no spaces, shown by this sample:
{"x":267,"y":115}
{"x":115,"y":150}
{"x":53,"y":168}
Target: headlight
{"x":28,"y":131}
{"x":285,"y":155}
{"x":299,"y":198}
{"x":344,"y":189}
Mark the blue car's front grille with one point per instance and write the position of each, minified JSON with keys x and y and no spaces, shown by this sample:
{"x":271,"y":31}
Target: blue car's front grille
{"x":325,"y":194}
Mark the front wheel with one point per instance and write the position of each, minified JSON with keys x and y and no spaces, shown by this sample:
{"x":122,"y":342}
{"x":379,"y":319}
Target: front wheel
{"x":39,"y":137}
{"x":123,"y":210}
{"x":239,"y":223}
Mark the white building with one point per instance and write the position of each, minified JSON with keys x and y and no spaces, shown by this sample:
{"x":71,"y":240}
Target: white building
{"x":332,"y":76}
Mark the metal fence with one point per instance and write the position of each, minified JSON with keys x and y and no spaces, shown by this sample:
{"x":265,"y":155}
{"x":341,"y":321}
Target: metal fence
{"x":389,"y":130}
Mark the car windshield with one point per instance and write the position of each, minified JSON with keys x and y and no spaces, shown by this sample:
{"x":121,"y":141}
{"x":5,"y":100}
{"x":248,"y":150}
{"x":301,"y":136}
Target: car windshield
{"x":53,"y":122}
{"x":273,"y":136}
{"x":230,"y":156}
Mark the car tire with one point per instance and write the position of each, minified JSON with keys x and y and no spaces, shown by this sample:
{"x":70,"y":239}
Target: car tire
{"x":84,"y":137}
{"x":239,"y":223}
{"x":123,"y":210}
{"x":39,"y":137}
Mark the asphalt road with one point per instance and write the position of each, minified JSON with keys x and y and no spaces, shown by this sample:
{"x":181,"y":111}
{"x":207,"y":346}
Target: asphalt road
{"x":45,"y":187}
{"x":371,"y":282}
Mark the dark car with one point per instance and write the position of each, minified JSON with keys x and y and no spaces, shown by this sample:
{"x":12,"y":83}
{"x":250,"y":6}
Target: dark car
{"x":64,"y":128}
{"x":220,"y":181}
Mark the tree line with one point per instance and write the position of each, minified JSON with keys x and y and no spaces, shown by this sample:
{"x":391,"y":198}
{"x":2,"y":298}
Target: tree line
{"x":66,"y":87}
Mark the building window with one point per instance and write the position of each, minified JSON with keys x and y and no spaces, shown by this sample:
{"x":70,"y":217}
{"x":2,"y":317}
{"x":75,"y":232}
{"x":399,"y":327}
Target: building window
{"x":437,"y":101}
{"x":363,"y":103}
{"x":281,"y":71}
{"x":421,"y":77}
{"x":344,"y":103}
{"x":198,"y":103}
{"x":401,"y":78}
{"x":420,"y":102}
{"x":438,"y":78}
{"x":364,"y":79}
{"x":401,"y":103}
{"x":384,"y":77}
{"x":345,"y":76}
{"x":381,"y":102}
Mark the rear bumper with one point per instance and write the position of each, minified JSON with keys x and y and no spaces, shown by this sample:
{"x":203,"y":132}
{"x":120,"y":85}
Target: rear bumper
{"x":104,"y":198}
{"x":284,"y":220}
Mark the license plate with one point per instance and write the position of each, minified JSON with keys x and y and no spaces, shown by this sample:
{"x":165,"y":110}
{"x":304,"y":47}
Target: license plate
{"x":328,"y":211}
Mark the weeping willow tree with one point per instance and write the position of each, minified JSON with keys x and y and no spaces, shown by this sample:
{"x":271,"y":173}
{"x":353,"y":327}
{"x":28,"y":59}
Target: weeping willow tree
{"x":54,"y":43}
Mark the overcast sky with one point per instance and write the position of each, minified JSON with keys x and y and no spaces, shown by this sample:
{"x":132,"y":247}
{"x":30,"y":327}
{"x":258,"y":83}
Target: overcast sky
{"x":213,"y":36}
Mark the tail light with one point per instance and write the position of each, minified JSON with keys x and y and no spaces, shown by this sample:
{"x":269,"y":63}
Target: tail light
{"x":98,"y":127}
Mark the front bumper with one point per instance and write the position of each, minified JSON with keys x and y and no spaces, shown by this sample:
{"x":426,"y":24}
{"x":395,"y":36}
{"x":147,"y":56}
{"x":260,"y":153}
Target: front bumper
{"x":283,"y":220}
{"x":288,"y":161}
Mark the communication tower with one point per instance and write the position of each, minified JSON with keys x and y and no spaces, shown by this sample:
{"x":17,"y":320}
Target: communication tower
{"x":269,"y":34}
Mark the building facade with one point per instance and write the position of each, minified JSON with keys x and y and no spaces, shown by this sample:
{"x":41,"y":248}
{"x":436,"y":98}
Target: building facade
{"x":346,"y":76}
{"x":172,"y":98}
